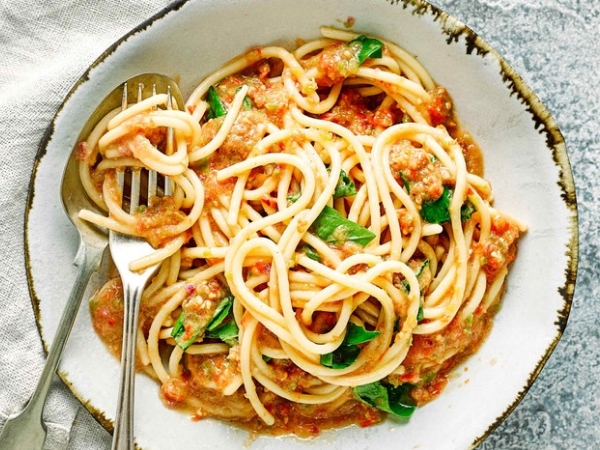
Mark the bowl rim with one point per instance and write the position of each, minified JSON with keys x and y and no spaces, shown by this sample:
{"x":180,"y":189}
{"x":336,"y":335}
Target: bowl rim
{"x":454,"y":29}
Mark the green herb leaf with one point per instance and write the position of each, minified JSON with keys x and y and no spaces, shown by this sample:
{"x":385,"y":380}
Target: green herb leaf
{"x":437,"y":211}
{"x":347,"y":353}
{"x":178,"y":328}
{"x":345,"y":186}
{"x":247,"y":102}
{"x":418,"y":273}
{"x":466,"y":211}
{"x":228,"y":333}
{"x":385,"y":397}
{"x":178,"y":333}
{"x":342,"y":357}
{"x":359,"y":335}
{"x":220,"y":313}
{"x":420,"y":314}
{"x":222,"y":324}
{"x":370,"y":48}
{"x":198,"y":326}
{"x":293,"y":198}
{"x":405,"y":181}
{"x":310,"y":252}
{"x":216,"y":108}
{"x":333,"y":228}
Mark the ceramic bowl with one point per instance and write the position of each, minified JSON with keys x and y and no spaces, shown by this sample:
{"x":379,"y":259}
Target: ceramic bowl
{"x":525,"y":159}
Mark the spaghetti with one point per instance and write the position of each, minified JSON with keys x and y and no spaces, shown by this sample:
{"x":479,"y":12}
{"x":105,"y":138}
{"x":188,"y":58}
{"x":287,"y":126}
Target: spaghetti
{"x":329,"y":252}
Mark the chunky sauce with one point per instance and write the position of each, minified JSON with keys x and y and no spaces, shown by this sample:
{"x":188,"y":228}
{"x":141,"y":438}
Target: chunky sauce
{"x":199,"y":388}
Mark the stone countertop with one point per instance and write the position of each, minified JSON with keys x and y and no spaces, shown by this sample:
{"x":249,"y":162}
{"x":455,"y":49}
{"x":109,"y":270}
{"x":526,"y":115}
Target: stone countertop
{"x":553,"y":45}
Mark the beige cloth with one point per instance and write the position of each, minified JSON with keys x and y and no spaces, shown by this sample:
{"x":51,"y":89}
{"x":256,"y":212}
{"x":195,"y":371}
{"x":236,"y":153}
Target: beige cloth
{"x":45,"y":46}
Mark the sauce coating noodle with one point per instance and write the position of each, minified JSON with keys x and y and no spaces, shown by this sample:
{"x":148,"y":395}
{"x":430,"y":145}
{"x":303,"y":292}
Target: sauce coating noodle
{"x":330,"y":244}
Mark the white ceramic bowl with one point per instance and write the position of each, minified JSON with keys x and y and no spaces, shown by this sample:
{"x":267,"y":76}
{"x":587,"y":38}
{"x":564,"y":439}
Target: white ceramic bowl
{"x":525,"y":160}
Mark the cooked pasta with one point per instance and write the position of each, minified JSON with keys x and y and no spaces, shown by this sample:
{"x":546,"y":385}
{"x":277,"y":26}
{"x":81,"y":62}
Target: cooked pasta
{"x":329,"y":249}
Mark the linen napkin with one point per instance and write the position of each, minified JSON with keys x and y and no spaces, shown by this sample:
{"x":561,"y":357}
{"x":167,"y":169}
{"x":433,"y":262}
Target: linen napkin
{"x":44,"y":48}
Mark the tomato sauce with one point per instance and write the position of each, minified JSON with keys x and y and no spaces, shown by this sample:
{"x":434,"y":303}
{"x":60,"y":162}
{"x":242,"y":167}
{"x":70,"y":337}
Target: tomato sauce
{"x":107,"y":312}
{"x":500,"y":250}
{"x":423,"y":176}
{"x":200,"y":386}
{"x":335,"y":63}
{"x":354,"y":112}
{"x":189,"y":392}
{"x":427,"y":363}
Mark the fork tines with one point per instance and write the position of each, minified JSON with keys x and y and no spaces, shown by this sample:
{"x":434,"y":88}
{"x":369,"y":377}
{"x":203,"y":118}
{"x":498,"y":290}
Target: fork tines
{"x":139,"y":185}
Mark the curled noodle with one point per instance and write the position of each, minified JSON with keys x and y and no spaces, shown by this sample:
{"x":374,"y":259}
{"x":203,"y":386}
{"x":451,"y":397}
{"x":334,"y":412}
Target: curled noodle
{"x":330,"y":196}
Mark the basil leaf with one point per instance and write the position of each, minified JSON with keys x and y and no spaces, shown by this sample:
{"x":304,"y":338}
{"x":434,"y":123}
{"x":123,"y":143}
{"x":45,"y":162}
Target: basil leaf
{"x":406,"y":287}
{"x":216,"y":108}
{"x":358,"y":335}
{"x":220,"y":313}
{"x":227,"y":333}
{"x":385,"y":397}
{"x":418,"y":273}
{"x":347,"y":353}
{"x":405,"y":181}
{"x":401,"y":402}
{"x":437,"y":211}
{"x":178,"y":328}
{"x":370,"y":48}
{"x":420,"y":314}
{"x":222,"y":325}
{"x":342,"y":357}
{"x":466,"y":211}
{"x":310,"y":252}
{"x":179,"y":333}
{"x":247,"y":102}
{"x":332,"y":228}
{"x":293,"y":198}
{"x":421,"y":268}
{"x":345,"y":186}
{"x":190,"y":326}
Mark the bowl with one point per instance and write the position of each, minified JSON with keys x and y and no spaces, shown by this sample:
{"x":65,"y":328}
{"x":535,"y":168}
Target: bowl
{"x":525,"y":160}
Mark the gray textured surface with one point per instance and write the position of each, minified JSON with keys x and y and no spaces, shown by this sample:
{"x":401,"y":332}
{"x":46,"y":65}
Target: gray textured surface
{"x":553,"y":45}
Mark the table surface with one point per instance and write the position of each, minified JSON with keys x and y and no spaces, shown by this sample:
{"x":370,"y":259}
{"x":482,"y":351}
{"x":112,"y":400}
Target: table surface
{"x":552,"y":44}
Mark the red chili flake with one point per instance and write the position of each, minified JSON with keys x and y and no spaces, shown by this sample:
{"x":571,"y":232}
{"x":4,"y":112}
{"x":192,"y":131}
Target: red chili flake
{"x":190,"y":289}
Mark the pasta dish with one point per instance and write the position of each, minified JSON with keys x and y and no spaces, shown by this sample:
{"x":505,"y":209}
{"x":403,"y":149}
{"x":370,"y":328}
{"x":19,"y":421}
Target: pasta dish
{"x":329,"y":251}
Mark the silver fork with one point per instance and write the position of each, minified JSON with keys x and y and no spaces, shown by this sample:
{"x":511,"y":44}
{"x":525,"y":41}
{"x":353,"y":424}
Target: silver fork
{"x":125,"y":249}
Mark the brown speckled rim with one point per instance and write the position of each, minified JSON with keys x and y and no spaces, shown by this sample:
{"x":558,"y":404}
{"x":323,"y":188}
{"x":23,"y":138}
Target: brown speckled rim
{"x":454,"y":30}
{"x":546,"y":126}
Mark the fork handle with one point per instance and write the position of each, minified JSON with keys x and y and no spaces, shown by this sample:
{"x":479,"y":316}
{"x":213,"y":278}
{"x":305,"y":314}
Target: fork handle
{"x":123,"y":436}
{"x":22,"y":430}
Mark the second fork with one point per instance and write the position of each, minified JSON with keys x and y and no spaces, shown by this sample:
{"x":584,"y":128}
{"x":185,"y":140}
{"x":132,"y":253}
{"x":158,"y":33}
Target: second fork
{"x":124,"y":250}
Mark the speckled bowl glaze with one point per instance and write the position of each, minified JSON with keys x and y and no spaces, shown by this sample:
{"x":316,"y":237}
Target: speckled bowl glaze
{"x":525,"y":159}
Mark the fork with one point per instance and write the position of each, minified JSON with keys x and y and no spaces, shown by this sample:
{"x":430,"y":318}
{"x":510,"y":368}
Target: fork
{"x":125,"y":249}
